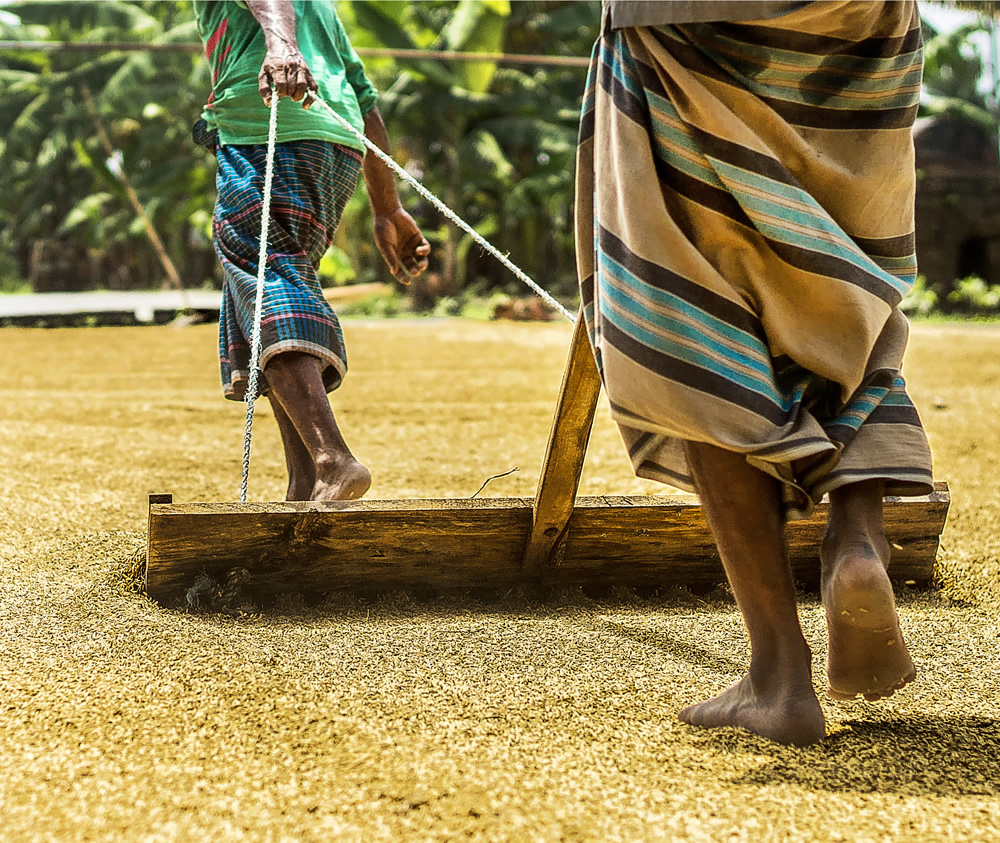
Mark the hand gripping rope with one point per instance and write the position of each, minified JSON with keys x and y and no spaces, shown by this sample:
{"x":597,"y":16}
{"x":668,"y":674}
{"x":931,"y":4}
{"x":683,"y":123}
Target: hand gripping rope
{"x":253,"y":375}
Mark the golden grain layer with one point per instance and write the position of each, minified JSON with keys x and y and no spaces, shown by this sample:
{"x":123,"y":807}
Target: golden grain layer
{"x":433,"y":718}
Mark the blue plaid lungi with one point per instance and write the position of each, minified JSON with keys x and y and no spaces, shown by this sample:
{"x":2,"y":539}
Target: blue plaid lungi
{"x":313,"y":181}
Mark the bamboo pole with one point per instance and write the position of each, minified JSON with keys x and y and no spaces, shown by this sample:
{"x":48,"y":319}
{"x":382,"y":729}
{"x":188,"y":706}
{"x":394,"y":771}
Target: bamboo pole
{"x":364,"y":52}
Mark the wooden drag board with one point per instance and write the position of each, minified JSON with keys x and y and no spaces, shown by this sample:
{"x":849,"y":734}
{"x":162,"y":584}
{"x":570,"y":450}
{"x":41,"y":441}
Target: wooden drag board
{"x":311,"y":548}
{"x":554,"y":538}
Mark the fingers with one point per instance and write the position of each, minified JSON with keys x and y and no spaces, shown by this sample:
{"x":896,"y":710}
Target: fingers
{"x":264,"y":85}
{"x":303,"y":82}
{"x":415,"y":255}
{"x":288,"y":76}
{"x":387,"y":248}
{"x":404,"y":267}
{"x":412,"y":258}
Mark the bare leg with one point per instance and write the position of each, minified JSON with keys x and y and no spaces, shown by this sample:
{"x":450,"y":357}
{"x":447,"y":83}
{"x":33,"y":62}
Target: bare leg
{"x":867,"y":654}
{"x":296,"y":383}
{"x":776,"y":698}
{"x":301,"y":471}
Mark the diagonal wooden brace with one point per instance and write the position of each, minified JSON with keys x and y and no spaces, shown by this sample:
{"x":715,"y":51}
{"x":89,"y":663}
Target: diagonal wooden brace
{"x":566,"y":451}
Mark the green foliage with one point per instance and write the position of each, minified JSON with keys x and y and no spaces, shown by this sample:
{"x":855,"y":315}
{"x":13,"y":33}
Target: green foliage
{"x":953,"y":67}
{"x":477,"y":26}
{"x":56,"y":180}
{"x":11,"y":280}
{"x":378,"y":305}
{"x":970,"y":297}
{"x":973,"y":295}
{"x":496,"y":142}
{"x":335,"y":268}
{"x":921,"y":300}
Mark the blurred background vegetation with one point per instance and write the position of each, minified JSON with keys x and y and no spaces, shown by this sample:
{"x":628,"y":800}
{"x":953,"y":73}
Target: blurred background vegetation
{"x":495,"y":141}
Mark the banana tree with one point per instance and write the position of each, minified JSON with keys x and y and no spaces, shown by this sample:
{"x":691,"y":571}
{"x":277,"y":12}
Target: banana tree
{"x":56,"y":181}
{"x":953,"y":68}
{"x":435,"y":101}
{"x":496,"y":143}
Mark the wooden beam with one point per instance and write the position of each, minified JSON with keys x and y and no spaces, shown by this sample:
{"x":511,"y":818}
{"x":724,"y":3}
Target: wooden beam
{"x":311,"y":548}
{"x":566,"y":451}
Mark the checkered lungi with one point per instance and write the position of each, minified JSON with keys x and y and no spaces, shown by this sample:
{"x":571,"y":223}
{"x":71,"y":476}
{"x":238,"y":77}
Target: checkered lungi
{"x":313,"y":181}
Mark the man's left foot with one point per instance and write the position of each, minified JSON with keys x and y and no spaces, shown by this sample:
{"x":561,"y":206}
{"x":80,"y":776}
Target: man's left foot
{"x":867,"y":655}
{"x":347,"y":481}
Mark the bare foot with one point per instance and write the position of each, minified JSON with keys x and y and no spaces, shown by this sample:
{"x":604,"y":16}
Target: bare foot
{"x":867,"y":656}
{"x":343,"y":480}
{"x":786,"y":715}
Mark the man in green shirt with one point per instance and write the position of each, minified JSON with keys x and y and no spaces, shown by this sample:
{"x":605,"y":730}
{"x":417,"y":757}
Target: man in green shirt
{"x":294,"y":48}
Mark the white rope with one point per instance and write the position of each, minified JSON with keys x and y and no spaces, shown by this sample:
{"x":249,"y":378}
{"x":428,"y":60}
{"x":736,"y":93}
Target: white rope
{"x":450,"y":214}
{"x":255,"y":344}
{"x":265,"y":213}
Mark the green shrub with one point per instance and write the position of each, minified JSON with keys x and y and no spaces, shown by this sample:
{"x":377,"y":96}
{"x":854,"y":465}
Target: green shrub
{"x":10,"y":277}
{"x":335,"y":268}
{"x":377,"y":305}
{"x":974,"y":295}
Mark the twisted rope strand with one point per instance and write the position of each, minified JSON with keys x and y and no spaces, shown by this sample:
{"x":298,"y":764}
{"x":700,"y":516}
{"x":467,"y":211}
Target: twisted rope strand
{"x":255,"y":344}
{"x":255,"y":341}
{"x":450,"y":214}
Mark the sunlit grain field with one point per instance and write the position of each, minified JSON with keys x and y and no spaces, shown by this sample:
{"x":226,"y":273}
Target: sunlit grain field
{"x":438,"y":717}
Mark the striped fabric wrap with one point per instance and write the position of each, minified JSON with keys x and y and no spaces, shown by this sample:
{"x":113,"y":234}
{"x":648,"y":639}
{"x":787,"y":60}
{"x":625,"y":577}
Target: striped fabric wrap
{"x":313,"y":180}
{"x":744,"y":227}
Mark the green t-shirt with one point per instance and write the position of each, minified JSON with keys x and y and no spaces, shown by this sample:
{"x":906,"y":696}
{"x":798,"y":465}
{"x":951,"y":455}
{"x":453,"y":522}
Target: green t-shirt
{"x":234,"y":45}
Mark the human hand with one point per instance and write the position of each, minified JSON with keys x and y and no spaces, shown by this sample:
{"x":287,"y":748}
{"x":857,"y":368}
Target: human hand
{"x":287,"y":72}
{"x":401,"y":243}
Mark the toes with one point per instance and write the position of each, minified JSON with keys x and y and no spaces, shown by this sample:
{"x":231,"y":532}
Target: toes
{"x":687,"y":715}
{"x":872,"y":696}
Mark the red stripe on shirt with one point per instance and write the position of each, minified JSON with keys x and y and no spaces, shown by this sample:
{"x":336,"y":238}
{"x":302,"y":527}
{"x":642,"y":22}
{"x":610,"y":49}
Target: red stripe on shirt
{"x":215,"y":74}
{"x":210,"y":44}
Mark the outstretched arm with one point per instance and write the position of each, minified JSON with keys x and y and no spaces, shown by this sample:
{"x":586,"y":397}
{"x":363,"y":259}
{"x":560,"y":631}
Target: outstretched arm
{"x":396,"y":234}
{"x":284,"y":66}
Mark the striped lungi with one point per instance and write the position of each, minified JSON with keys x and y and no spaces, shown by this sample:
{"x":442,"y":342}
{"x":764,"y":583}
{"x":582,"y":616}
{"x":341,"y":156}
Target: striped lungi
{"x":313,"y":180}
{"x":744,"y":238}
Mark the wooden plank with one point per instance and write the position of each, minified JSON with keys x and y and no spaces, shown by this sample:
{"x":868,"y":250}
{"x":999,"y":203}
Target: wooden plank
{"x":315,"y":547}
{"x":638,"y":541}
{"x":153,"y":499}
{"x":312,"y":548}
{"x":566,"y":451}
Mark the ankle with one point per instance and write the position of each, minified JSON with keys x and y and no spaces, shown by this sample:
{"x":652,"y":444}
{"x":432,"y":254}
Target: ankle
{"x":785,"y":666}
{"x":856,"y":510}
{"x":332,"y":461}
{"x":299,"y":491}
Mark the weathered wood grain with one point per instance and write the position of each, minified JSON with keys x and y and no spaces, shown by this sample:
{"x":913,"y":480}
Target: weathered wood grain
{"x":312,"y":548}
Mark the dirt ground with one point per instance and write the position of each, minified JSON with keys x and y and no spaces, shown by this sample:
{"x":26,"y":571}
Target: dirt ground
{"x":438,"y":718}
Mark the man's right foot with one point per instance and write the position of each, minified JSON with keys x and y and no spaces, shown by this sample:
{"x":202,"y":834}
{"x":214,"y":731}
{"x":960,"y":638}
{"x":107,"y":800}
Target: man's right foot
{"x":867,"y":655}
